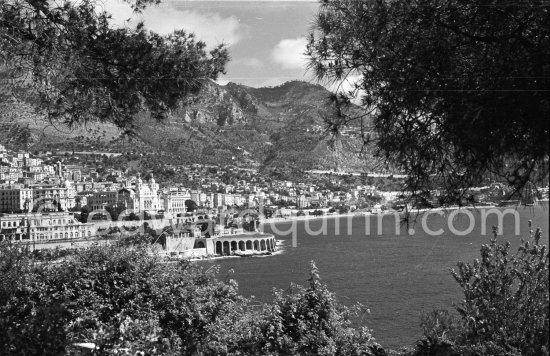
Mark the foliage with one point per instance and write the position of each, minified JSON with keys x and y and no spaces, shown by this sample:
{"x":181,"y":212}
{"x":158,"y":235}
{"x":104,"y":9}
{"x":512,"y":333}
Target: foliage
{"x":113,"y":297}
{"x":190,"y":205}
{"x":122,"y":297}
{"x":301,"y":322}
{"x":114,"y":211}
{"x":68,"y":60}
{"x":309,"y":321}
{"x":317,"y":212}
{"x":505,"y":310}
{"x":52,"y":254}
{"x":457,"y":89}
{"x":138,"y":239}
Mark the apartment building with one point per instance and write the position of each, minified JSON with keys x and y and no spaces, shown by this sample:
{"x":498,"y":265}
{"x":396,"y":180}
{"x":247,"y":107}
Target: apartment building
{"x":15,"y":199}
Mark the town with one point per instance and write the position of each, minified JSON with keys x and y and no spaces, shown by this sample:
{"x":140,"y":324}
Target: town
{"x":58,"y":199}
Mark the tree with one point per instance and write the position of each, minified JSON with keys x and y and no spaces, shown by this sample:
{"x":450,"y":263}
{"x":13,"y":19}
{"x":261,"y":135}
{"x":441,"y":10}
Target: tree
{"x":453,"y":92}
{"x":190,"y":205}
{"x":114,"y":211}
{"x":317,"y":212}
{"x":84,"y":213}
{"x":68,"y":60}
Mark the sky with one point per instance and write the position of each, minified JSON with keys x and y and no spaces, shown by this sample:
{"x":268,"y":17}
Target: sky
{"x":266,"y":39}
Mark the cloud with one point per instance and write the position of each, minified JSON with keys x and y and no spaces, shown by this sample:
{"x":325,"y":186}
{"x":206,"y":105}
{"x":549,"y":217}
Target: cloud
{"x":289,"y":53}
{"x":347,"y":86}
{"x":211,"y":28}
{"x":249,"y":62}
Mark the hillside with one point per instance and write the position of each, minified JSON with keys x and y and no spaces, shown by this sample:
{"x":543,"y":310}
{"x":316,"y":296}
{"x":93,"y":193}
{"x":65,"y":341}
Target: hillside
{"x":276,"y":128}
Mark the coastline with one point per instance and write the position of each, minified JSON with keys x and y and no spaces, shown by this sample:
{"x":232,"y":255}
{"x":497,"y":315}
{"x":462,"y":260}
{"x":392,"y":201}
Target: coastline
{"x":268,"y":221}
{"x":262,"y":254}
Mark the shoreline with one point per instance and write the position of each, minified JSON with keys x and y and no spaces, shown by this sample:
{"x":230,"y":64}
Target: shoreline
{"x":261,"y":254}
{"x":269,"y":221}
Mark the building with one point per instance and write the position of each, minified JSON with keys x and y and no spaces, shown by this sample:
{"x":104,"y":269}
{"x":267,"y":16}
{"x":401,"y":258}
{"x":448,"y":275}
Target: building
{"x":174,"y":202}
{"x":195,"y":196}
{"x":228,"y":200}
{"x":143,"y":197}
{"x":32,"y":162}
{"x":218,"y":200}
{"x":302,"y":202}
{"x":76,"y":175}
{"x":10,"y":174}
{"x":43,"y":226}
{"x":100,"y":200}
{"x":147,"y":196}
{"x":14,"y":200}
{"x":54,"y":198}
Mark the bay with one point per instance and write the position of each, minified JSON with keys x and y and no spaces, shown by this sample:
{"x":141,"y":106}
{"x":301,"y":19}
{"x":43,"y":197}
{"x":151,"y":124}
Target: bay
{"x":396,"y":275}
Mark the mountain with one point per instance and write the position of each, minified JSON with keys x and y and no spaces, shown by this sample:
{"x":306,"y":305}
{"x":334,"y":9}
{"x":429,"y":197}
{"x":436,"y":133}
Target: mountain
{"x":280,"y":127}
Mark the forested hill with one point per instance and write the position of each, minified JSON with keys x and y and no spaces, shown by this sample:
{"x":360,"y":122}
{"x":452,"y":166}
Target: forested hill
{"x":279,"y":127}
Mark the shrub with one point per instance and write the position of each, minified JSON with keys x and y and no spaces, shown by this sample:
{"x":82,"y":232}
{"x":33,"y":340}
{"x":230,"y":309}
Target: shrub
{"x":116,"y":298}
{"x":304,"y":321}
{"x":505,"y":310}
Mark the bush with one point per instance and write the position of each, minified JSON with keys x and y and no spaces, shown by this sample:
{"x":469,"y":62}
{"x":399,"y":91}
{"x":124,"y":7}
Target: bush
{"x":304,"y":321}
{"x":116,"y":298}
{"x":505,"y":310}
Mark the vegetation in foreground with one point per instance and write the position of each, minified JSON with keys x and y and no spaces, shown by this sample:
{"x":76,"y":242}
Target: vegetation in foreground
{"x":125,"y":299}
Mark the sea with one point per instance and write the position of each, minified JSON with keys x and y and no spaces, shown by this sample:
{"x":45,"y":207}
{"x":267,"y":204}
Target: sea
{"x":395,"y":272}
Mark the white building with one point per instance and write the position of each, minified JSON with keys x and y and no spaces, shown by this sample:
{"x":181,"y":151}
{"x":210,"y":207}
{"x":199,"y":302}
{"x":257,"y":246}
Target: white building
{"x":143,"y":197}
{"x":45,"y":226}
{"x":174,"y":202}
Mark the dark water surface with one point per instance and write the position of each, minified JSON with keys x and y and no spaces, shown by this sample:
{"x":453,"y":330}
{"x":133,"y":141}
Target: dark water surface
{"x":396,"y":276}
